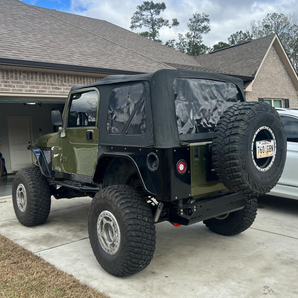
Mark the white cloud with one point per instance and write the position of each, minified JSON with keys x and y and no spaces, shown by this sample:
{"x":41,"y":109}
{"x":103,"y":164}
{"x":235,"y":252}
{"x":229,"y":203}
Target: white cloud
{"x":227,"y":17}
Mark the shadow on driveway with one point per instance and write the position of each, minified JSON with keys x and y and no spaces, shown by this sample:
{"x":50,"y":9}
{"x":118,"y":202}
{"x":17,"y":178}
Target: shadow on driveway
{"x":278,"y":204}
{"x":6,"y":185}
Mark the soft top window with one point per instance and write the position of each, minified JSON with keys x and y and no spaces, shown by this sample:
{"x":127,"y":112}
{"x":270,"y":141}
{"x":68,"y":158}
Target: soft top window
{"x":127,"y":110}
{"x":200,"y":103}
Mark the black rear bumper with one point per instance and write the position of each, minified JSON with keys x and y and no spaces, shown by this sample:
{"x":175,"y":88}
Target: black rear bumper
{"x":201,"y":210}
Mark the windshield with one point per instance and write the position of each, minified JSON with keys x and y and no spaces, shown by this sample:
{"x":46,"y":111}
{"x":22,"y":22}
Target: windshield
{"x":200,"y":103}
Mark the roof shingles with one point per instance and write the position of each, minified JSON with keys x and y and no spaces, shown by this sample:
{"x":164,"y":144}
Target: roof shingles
{"x":37,"y":34}
{"x":125,"y":38}
{"x":243,"y":59}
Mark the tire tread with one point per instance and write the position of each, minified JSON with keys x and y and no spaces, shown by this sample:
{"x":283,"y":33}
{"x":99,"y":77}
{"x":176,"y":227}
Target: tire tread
{"x":227,"y":152}
{"x":38,"y":196}
{"x":139,"y":229}
{"x":241,"y":220}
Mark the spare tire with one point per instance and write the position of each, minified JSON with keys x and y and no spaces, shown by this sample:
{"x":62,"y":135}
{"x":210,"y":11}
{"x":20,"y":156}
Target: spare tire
{"x":249,"y":148}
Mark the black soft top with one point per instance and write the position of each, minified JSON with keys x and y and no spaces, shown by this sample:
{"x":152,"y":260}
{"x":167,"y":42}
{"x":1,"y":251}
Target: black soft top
{"x":185,"y":73}
{"x":162,"y":130}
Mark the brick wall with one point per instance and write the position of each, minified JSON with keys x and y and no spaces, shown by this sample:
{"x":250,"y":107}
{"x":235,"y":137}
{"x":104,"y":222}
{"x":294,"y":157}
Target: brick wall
{"x":17,"y":81}
{"x":273,"y":81}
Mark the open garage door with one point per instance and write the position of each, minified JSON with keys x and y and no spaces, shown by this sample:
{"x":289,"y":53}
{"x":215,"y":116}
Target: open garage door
{"x":20,"y":137}
{"x":23,"y":120}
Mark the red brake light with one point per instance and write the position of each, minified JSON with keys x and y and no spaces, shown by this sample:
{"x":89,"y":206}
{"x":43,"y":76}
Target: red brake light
{"x":181,"y":166}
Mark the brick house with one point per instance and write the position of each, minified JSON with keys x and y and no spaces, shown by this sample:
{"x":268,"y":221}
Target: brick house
{"x":263,"y":65}
{"x":44,"y":52}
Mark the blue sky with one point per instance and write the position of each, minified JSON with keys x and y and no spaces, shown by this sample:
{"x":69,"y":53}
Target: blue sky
{"x":57,"y":4}
{"x":226,"y":16}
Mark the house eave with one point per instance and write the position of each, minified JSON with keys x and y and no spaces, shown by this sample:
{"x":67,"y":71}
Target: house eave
{"x":63,"y":67}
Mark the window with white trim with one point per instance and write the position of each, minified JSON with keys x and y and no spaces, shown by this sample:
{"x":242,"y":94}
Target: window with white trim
{"x":277,"y":103}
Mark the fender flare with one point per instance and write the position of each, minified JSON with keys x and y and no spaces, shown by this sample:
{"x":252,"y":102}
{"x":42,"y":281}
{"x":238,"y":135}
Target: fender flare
{"x":42,"y":162}
{"x":105,"y":160}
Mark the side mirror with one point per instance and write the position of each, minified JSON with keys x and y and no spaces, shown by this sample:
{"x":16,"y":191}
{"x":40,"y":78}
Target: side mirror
{"x":56,"y":118}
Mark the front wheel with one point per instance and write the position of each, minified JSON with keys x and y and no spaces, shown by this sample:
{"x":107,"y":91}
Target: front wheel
{"x":31,"y":197}
{"x":236,"y":222}
{"x":121,"y":230}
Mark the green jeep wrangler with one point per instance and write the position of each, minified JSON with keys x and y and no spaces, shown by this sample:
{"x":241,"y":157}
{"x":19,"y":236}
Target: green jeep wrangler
{"x":175,"y":145}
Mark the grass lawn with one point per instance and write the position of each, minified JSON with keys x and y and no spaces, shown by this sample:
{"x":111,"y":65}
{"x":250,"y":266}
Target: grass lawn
{"x":23,"y":274}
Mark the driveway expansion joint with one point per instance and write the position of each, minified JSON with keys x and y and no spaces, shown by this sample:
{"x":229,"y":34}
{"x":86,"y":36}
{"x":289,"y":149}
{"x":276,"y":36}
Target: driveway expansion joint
{"x":53,"y":247}
{"x":278,"y":234}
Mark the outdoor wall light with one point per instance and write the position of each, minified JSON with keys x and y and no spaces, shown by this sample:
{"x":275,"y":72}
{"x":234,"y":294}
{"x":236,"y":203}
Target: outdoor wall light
{"x":32,"y":103}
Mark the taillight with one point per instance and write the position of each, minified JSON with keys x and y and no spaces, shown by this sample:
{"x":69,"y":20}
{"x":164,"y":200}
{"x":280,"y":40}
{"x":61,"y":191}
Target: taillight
{"x":181,"y":166}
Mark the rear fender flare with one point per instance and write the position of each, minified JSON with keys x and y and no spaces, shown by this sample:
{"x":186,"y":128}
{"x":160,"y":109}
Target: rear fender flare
{"x":107,"y":161}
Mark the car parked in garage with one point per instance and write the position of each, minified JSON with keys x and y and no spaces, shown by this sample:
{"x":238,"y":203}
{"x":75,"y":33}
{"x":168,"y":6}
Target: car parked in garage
{"x":287,"y":185}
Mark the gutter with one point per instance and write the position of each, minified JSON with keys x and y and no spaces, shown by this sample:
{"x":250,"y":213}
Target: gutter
{"x":63,"y":67}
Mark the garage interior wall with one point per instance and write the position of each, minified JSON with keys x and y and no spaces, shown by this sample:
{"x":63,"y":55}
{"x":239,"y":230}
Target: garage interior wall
{"x":40,"y":120}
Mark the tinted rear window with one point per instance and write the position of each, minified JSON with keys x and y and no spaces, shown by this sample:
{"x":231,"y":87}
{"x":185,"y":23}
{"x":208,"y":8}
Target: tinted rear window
{"x":200,"y":103}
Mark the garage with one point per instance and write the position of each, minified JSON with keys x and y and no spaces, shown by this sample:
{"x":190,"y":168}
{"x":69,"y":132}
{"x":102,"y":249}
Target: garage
{"x":27,"y":97}
{"x":22,"y":121}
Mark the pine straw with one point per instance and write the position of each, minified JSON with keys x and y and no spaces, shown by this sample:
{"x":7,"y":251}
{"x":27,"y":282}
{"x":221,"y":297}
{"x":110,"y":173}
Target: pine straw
{"x":23,"y":274}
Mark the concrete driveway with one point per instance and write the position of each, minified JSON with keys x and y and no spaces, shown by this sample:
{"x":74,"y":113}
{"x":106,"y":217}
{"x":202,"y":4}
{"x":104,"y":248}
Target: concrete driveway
{"x":188,"y":262}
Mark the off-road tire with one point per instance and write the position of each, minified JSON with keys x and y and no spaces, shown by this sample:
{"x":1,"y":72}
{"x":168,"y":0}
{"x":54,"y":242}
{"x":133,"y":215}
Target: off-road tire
{"x":232,"y":154}
{"x":38,"y":197}
{"x":236,"y":222}
{"x":137,"y":230}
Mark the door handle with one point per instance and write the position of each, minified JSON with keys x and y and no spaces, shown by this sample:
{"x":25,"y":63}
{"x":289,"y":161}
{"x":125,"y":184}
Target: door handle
{"x":89,"y":135}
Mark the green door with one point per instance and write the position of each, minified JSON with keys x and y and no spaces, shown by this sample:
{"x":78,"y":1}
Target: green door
{"x":79,"y":137}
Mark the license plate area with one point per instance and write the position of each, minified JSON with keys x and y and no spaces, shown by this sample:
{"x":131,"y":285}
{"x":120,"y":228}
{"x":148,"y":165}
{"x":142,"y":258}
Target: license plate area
{"x":265,"y":149}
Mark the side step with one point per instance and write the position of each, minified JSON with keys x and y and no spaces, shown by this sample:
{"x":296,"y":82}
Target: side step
{"x":202,"y":210}
{"x":77,"y":186}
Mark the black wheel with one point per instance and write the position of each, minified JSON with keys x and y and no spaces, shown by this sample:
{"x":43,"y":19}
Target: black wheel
{"x":243,"y":135}
{"x":31,"y":197}
{"x":121,"y":230}
{"x":236,"y":222}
